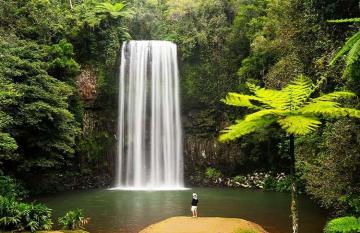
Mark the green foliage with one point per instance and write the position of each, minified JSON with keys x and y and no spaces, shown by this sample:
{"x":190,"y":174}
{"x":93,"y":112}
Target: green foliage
{"x":200,"y":29}
{"x":96,"y":144}
{"x":73,"y":220}
{"x":22,"y":216}
{"x":115,"y":10}
{"x":343,"y":225}
{"x":43,"y":45}
{"x":333,"y":153}
{"x":11,"y":189}
{"x":43,"y":126}
{"x":352,"y":20}
{"x":351,"y":49}
{"x":63,"y":65}
{"x":295,"y":112}
{"x":292,"y":108}
{"x":270,"y":183}
{"x":212,"y":173}
{"x":8,"y":96}
{"x":354,"y":203}
{"x":283,"y":185}
{"x":351,"y":46}
{"x":239,"y":179}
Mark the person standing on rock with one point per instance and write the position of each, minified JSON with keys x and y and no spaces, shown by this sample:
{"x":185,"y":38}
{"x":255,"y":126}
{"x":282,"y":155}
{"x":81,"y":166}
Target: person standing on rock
{"x":194,"y":203}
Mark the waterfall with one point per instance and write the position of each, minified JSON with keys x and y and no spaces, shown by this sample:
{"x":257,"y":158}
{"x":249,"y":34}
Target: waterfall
{"x":149,"y":127}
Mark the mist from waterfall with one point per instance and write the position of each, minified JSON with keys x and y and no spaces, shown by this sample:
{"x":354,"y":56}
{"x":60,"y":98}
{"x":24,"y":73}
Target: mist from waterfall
{"x":149,"y":127}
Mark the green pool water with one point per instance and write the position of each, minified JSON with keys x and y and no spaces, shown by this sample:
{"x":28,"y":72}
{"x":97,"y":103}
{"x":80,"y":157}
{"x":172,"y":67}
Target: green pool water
{"x":129,"y":211}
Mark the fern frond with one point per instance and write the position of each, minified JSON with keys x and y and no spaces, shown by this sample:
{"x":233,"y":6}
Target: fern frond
{"x":348,"y":46}
{"x":298,"y":92}
{"x":298,"y":124}
{"x":351,"y":56}
{"x":319,"y":108}
{"x":329,"y":109}
{"x":243,"y":127}
{"x":270,"y":98}
{"x":351,"y":20}
{"x":115,"y":10}
{"x":291,"y":107}
{"x":265,"y":112}
{"x":236,"y":99}
{"x":335,"y":96}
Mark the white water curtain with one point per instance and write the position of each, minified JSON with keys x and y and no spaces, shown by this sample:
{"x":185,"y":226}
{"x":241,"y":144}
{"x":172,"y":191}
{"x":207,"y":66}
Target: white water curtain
{"x":149,"y":131}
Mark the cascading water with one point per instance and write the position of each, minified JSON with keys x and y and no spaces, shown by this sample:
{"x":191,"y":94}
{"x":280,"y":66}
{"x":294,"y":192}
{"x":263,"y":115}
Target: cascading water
{"x":149,"y":131}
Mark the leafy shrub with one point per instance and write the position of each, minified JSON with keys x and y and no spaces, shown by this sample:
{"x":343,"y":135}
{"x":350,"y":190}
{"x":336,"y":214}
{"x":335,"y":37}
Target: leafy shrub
{"x":63,"y":62}
{"x":343,"y":225}
{"x":239,"y":179}
{"x":7,"y":187}
{"x":354,"y":203}
{"x":73,"y":220}
{"x":270,"y":183}
{"x":10,"y":189}
{"x":212,"y":173}
{"x":283,"y":184}
{"x":21,"y":216}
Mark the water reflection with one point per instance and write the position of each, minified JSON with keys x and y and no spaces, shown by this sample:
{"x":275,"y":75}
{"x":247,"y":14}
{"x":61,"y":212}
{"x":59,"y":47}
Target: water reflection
{"x":130,"y":211}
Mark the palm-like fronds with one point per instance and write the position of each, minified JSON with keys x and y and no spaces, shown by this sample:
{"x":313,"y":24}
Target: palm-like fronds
{"x":351,"y":20}
{"x":292,"y":108}
{"x":243,"y":127}
{"x":351,"y":46}
{"x":114,"y":10}
{"x":299,"y":124}
{"x":269,"y":98}
{"x":327,"y":106}
{"x":240,"y":100}
{"x":297,"y":92}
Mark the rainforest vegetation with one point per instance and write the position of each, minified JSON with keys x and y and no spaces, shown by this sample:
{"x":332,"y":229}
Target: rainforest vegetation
{"x":58,"y":95}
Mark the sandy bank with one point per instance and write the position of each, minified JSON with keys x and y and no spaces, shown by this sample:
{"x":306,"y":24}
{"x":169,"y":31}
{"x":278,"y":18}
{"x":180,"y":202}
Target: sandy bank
{"x":204,"y":225}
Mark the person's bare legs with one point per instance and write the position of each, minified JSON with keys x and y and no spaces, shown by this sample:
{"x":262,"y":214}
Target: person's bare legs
{"x":195,"y":213}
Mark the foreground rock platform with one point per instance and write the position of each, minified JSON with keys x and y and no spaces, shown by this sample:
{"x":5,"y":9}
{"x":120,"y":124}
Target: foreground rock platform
{"x":183,"y":224}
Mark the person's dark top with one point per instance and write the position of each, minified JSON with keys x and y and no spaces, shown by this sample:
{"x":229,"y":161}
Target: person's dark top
{"x":194,"y":202}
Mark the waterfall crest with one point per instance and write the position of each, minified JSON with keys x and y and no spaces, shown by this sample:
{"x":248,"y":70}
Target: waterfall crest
{"x":149,"y":127}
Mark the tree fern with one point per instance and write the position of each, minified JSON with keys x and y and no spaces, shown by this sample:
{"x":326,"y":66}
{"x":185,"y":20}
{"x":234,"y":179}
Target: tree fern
{"x":293,"y":109}
{"x":290,"y":107}
{"x":114,"y":10}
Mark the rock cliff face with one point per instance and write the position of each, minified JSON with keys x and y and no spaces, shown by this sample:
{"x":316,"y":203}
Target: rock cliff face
{"x":97,"y":145}
{"x":86,"y":85}
{"x":201,"y":146}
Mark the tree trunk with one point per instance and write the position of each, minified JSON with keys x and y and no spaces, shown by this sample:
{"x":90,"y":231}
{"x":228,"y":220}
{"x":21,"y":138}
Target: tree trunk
{"x":71,"y":5}
{"x":294,"y":211}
